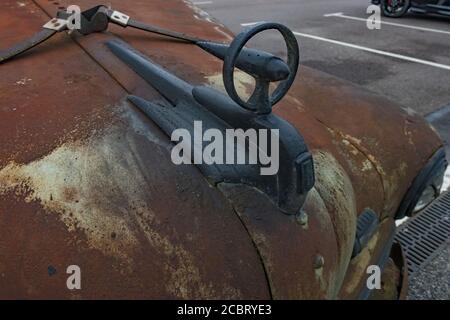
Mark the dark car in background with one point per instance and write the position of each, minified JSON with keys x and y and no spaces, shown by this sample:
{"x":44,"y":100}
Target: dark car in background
{"x":397,"y":8}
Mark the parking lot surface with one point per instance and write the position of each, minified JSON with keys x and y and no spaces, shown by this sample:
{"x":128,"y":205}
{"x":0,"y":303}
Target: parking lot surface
{"x":408,"y":62}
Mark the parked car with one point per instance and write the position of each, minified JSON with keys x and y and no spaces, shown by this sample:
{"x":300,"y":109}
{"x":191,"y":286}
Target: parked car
{"x":397,"y":8}
{"x":87,"y":181}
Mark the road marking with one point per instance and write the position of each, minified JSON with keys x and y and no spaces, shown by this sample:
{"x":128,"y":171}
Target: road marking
{"x":446,"y":183}
{"x":199,"y":3}
{"x":333,"y":14}
{"x":250,"y":23}
{"x":401,"y":221}
{"x":342,"y":15}
{"x":367,"y":49}
{"x":380,"y":52}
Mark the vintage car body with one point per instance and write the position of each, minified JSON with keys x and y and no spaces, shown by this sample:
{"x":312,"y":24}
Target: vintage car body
{"x":86,"y":179}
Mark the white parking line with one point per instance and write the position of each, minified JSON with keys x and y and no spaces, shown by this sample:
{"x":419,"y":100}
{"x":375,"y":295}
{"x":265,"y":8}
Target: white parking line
{"x":341,"y":15}
{"x":199,"y":3}
{"x":446,"y":183}
{"x":250,"y":23}
{"x":380,"y":52}
{"x":367,"y":49}
{"x":333,"y":14}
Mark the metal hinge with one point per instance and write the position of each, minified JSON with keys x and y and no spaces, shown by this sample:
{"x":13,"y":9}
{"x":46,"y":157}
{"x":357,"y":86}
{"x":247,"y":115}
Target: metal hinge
{"x":120,"y":18}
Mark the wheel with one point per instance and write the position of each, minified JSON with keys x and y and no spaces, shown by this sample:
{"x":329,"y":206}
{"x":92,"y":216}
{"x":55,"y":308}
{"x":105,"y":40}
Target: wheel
{"x":394,"y":8}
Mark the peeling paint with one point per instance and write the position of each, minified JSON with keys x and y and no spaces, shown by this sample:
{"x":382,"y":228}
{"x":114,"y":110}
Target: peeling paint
{"x":70,"y":182}
{"x":350,"y":146}
{"x":335,"y":188}
{"x":407,"y":132}
{"x":361,"y":262}
{"x":243,"y":81}
{"x":62,"y":182}
{"x":23,"y":81}
{"x":366,"y":166}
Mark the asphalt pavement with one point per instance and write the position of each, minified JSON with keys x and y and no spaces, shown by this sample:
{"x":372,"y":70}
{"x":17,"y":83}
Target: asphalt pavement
{"x":407,"y":60}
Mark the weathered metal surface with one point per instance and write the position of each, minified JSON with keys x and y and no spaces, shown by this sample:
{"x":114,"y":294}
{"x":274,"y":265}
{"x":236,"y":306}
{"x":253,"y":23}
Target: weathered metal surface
{"x":84,"y":182}
{"x":375,"y":253}
{"x":290,"y":252}
{"x":394,"y":279}
{"x":396,"y":143}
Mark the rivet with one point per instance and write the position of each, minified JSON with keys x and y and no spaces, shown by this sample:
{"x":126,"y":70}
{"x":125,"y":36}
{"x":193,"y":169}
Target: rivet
{"x":302,"y":218}
{"x":319,"y":261}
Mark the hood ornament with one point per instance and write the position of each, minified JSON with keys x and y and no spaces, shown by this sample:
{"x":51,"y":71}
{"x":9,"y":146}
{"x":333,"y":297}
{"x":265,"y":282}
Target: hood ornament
{"x":184,"y":104}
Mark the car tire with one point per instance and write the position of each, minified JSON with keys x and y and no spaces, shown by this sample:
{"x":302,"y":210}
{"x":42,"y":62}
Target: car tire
{"x":398,"y":13}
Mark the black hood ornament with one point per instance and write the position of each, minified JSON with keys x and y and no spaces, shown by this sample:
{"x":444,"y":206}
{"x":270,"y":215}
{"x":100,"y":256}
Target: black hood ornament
{"x":184,"y":104}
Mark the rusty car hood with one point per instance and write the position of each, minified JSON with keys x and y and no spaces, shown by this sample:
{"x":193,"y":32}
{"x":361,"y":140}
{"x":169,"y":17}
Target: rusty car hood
{"x":84,"y":176}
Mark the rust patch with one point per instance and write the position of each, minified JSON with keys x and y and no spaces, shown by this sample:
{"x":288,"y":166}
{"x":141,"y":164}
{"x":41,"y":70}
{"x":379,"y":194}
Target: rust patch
{"x":243,"y":81}
{"x":361,"y":262}
{"x":335,"y":188}
{"x":288,"y":250}
{"x":71,"y":182}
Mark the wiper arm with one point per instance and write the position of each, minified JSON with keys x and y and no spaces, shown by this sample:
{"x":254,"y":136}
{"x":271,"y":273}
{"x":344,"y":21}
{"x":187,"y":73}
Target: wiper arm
{"x":98,"y":18}
{"x":124,"y":20}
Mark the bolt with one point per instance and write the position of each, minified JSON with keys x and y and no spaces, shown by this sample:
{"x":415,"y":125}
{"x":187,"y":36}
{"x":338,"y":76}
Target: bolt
{"x":319,"y":262}
{"x":302,"y":218}
{"x":51,"y":270}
